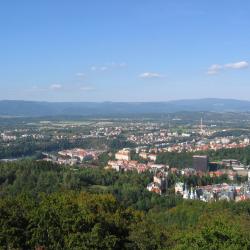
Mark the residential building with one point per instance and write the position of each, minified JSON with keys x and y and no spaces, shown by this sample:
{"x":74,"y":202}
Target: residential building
{"x":123,"y":154}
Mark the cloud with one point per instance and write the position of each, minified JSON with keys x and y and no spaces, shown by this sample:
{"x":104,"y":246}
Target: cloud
{"x":52,"y":87}
{"x":108,"y":66}
{"x":237,"y":65}
{"x":216,"y":68}
{"x":55,"y":86}
{"x":80,"y":74}
{"x":62,"y":88}
{"x":87,"y":88}
{"x":103,"y":68}
{"x":116,"y":65}
{"x":123,"y":64}
{"x":36,"y":88}
{"x":150,"y":75}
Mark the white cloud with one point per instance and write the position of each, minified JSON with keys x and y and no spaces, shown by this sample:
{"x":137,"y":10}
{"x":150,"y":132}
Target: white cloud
{"x":150,"y":75}
{"x":55,"y":86}
{"x":103,"y":68}
{"x":216,"y":68}
{"x":108,"y":66}
{"x":36,"y":88}
{"x":86,"y":88}
{"x":80,"y":74}
{"x":116,"y":65}
{"x":237,"y":65}
{"x":123,"y":64}
{"x":61,"y":88}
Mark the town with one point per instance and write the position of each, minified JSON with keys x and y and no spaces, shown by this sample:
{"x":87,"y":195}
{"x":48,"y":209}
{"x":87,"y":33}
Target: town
{"x":229,"y":168}
{"x":164,"y":147}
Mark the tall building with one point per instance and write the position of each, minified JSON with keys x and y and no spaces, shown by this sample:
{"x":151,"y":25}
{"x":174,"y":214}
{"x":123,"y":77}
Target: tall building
{"x":200,"y":163}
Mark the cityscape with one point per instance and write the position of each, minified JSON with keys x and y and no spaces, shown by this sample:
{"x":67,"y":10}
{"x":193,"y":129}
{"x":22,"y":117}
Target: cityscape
{"x":124,"y":125}
{"x":146,"y":142}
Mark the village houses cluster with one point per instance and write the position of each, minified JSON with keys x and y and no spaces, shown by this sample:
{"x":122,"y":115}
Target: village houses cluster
{"x":72,"y":156}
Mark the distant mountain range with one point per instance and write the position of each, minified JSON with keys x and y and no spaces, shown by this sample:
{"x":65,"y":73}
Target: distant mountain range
{"x":36,"y":109}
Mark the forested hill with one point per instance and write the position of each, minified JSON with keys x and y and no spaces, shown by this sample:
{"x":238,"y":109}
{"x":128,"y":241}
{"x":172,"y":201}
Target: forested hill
{"x":30,"y":108}
{"x":45,"y":206}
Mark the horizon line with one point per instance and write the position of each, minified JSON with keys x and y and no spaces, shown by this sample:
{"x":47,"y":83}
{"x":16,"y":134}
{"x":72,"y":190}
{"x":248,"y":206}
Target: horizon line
{"x":173,"y":100}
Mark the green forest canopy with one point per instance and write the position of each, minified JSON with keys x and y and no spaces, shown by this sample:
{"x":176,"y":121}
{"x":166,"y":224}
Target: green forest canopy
{"x":45,"y":206}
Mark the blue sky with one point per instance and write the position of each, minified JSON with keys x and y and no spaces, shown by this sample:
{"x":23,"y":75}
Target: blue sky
{"x":124,"y":50}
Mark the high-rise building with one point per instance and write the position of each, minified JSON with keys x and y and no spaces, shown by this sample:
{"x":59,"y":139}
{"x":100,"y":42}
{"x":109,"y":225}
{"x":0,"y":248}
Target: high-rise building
{"x":200,"y":163}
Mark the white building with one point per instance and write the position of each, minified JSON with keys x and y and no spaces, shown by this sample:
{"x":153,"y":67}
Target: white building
{"x":179,"y":187}
{"x":152,"y":157}
{"x":123,"y":154}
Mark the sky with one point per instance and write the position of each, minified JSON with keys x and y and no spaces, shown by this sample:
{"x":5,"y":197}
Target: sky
{"x":124,"y":50}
